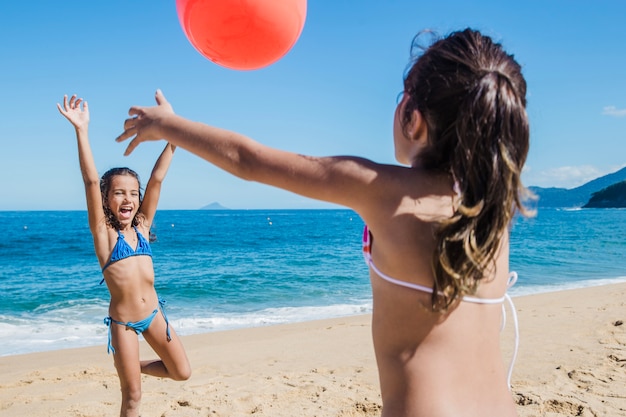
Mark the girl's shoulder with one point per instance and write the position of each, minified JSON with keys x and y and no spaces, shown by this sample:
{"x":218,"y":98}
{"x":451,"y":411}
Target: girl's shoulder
{"x":411,"y":194}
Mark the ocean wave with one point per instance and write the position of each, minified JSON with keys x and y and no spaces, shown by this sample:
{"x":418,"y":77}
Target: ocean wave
{"x":73,"y":325}
{"x":563,"y":286}
{"x":56,"y":330}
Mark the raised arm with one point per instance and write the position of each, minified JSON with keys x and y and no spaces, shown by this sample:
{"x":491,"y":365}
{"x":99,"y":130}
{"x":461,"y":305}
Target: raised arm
{"x":79,"y":118}
{"x":333,"y":179}
{"x":153,"y":188}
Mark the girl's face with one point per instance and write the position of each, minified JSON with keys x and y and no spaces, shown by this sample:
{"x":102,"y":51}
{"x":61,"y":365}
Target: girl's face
{"x":124,"y":198}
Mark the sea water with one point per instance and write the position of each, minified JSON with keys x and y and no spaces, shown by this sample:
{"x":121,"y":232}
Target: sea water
{"x":229,"y":269}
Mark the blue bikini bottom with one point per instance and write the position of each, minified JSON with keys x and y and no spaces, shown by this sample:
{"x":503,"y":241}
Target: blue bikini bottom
{"x":140,"y":326}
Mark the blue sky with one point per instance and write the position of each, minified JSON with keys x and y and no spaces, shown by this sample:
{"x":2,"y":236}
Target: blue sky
{"x":333,"y":93}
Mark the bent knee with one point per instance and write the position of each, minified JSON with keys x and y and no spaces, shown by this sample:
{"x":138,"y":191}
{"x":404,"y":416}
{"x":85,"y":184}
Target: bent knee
{"x":182,"y":374}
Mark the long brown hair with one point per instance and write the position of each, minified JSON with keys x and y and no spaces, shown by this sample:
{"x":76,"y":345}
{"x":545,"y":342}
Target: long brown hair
{"x":472,"y":96}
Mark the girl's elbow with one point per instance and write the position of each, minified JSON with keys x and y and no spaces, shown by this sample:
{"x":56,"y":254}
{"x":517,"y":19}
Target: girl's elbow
{"x":91,"y":181}
{"x":242,"y":165}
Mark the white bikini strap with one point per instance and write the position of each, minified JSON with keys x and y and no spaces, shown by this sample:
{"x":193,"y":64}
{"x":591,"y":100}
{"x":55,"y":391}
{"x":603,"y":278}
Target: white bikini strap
{"x":405,"y":284}
{"x":423,"y":288}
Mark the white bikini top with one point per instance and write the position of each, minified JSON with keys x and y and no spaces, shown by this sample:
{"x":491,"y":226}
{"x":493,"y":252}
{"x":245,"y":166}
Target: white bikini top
{"x":367,"y":254}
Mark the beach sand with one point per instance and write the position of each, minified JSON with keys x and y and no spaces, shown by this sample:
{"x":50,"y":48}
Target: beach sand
{"x":571,"y":362}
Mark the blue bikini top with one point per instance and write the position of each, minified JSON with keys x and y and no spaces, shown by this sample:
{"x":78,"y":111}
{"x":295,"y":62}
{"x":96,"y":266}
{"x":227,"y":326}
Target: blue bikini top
{"x":122,"y":249}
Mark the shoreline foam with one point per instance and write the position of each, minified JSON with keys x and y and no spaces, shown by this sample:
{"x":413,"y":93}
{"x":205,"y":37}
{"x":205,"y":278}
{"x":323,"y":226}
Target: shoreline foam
{"x":65,"y":332}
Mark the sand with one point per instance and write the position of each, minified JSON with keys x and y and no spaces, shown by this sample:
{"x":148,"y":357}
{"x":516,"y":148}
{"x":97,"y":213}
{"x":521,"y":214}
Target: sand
{"x":571,"y":362}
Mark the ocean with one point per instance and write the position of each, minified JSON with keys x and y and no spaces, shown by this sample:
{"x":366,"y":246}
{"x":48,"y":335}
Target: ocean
{"x":227,"y":269}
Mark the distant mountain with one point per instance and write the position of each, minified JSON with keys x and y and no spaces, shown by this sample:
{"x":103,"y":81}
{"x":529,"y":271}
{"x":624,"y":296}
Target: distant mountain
{"x":576,"y":197}
{"x":214,"y":206}
{"x":613,"y":196}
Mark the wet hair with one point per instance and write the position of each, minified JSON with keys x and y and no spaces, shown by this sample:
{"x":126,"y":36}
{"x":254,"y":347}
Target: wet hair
{"x":472,"y":96}
{"x":105,"y":187}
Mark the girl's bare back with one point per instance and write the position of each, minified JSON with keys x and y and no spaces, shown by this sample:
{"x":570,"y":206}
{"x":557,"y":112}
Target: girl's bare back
{"x":420,"y":351}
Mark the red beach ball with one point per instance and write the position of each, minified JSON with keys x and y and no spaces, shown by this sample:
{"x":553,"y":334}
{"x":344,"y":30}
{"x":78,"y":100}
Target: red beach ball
{"x":242,"y":34}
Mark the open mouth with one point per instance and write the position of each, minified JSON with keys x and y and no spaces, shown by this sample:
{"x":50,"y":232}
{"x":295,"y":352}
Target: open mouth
{"x":125,"y":212}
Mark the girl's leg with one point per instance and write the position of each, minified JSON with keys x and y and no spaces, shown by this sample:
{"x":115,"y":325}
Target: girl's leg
{"x":174,"y":363}
{"x":126,"y":359}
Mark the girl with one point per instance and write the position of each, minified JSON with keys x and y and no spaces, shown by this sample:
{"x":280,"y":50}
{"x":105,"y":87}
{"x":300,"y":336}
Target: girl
{"x":119,"y":219}
{"x":437,"y":226}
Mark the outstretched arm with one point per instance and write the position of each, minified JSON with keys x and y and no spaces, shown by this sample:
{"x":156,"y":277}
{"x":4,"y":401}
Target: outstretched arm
{"x":153,"y":188}
{"x":333,"y":179}
{"x":79,"y":118}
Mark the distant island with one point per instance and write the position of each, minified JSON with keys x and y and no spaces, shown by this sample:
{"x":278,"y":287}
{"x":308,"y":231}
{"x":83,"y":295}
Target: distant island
{"x":581,"y":196}
{"x":214,"y":206}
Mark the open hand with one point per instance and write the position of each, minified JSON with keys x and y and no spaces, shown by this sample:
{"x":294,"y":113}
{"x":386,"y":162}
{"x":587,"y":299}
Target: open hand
{"x":145,"y":123}
{"x":72,"y":111}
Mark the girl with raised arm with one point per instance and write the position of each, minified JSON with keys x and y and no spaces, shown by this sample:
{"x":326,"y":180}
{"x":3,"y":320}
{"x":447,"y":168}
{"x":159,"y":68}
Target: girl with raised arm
{"x":120,"y":221}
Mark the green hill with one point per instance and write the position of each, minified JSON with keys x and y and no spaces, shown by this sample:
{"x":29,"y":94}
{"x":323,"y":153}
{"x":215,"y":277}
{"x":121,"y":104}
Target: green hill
{"x":613,"y":196}
{"x":579,"y":196}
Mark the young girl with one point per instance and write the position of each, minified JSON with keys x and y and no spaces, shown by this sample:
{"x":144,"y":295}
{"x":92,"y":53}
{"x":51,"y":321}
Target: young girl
{"x":436,"y":240}
{"x":120,"y":221}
